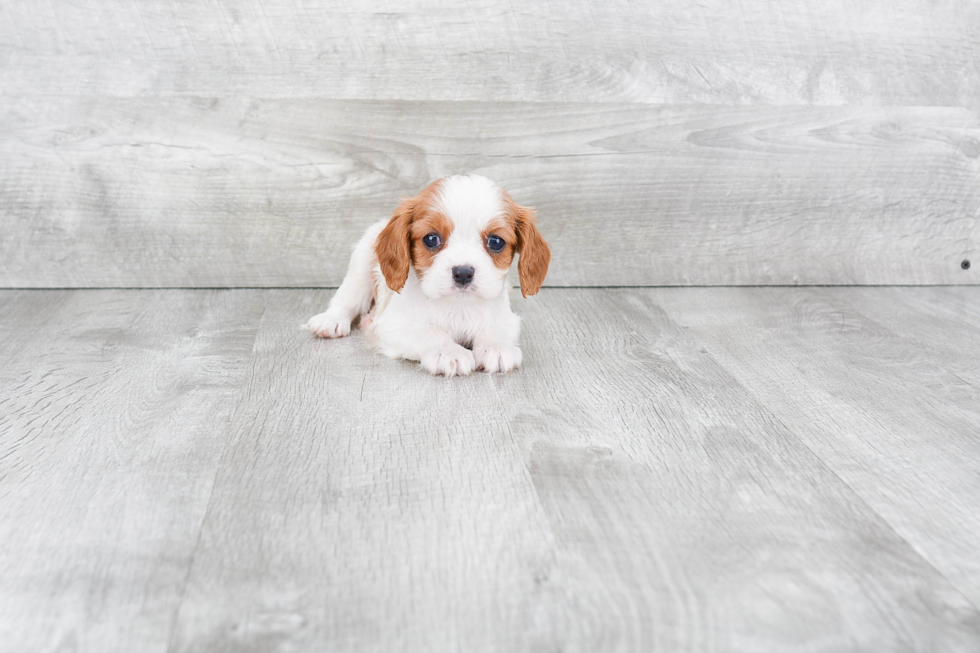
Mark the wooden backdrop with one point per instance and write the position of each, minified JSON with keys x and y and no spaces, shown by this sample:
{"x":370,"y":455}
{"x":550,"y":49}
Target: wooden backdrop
{"x":157,"y":143}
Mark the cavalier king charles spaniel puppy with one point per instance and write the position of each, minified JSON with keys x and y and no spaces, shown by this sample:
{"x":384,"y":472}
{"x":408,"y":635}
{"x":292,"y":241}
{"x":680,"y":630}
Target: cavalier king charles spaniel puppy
{"x":430,"y":284}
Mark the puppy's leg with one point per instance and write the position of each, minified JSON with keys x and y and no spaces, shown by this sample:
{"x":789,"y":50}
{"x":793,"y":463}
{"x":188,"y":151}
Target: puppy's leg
{"x":495,"y":348}
{"x":355,"y":294}
{"x":430,"y":345}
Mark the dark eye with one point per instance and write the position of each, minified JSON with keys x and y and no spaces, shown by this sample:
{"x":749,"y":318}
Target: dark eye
{"x":432,"y":241}
{"x":495,"y":243}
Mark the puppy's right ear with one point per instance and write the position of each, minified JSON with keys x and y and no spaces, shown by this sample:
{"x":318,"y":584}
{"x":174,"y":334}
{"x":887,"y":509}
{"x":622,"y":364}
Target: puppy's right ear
{"x":393,"y":247}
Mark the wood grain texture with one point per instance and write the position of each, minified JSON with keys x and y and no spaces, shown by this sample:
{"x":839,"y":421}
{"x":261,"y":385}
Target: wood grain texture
{"x":876,"y":52}
{"x":942,"y":321}
{"x":178,"y":474}
{"x":881,"y":384}
{"x":622,"y":492}
{"x":212,"y":192}
{"x":113,"y":407}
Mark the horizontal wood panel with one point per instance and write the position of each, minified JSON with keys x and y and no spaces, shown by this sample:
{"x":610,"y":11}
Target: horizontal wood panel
{"x":756,"y":51}
{"x":200,"y":192}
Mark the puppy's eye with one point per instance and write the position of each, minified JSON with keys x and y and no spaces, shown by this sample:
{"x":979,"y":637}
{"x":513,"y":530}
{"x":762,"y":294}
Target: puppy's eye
{"x":432,"y":241}
{"x":495,"y":243}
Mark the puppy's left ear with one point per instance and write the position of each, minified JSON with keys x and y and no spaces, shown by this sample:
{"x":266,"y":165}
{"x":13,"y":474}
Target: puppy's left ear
{"x":534,"y":251}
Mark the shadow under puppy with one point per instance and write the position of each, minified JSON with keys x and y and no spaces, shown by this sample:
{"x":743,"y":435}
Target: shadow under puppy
{"x":431,"y":282}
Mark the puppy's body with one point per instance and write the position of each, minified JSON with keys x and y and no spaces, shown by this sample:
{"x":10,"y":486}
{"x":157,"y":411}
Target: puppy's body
{"x":431,"y":284}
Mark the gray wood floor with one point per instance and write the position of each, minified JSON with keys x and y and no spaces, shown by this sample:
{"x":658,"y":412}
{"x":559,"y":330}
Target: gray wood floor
{"x":781,"y":469}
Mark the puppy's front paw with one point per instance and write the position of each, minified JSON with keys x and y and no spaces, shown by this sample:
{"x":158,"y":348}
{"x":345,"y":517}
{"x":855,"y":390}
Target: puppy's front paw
{"x":329,"y":325}
{"x":448,"y":360}
{"x":493,"y":357}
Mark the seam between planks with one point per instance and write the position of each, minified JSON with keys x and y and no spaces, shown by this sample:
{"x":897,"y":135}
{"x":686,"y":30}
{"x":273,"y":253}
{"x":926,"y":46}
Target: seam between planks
{"x":649,"y":287}
{"x":243,"y":386}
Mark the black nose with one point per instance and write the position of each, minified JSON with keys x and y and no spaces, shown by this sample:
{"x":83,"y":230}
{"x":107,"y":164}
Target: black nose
{"x":463,"y":274}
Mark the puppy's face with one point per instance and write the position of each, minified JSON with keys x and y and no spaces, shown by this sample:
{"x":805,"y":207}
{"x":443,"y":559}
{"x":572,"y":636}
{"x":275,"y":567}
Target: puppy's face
{"x":460,"y":236}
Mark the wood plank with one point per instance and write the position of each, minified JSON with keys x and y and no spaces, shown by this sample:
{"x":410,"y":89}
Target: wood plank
{"x":941,"y":322}
{"x":621,"y":492}
{"x":113,"y":407}
{"x":894,"y":416}
{"x":877,"y":52}
{"x":194,"y":192}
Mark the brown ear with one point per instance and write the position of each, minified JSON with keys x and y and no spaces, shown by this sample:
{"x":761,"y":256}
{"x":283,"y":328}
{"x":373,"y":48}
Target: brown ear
{"x":393,"y":246}
{"x":535,"y":253}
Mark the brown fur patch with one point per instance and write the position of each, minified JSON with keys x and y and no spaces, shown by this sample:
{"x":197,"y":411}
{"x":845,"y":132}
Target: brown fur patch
{"x":535,"y":255}
{"x":392,"y":246}
{"x":506,"y":228}
{"x":429,"y":221}
{"x":399,"y":245}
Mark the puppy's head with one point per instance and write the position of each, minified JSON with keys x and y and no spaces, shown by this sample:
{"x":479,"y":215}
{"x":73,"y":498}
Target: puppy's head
{"x":460,"y":235}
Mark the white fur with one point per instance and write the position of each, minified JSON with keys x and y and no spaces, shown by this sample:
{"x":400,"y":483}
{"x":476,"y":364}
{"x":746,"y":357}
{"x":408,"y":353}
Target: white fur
{"x":448,"y":329}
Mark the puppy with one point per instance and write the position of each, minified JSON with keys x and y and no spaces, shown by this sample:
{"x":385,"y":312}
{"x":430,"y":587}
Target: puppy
{"x":430,"y":283}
